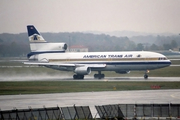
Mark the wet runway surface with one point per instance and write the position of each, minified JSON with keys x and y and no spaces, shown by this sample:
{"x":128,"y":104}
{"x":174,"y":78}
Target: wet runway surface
{"x":7,"y":102}
{"x":67,"y":78}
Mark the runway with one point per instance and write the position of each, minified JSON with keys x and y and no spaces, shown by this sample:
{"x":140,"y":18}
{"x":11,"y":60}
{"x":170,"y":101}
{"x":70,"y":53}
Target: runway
{"x":8,"y":102}
{"x":87,"y":78}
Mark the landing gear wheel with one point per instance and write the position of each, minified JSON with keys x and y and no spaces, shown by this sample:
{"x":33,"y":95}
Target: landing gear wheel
{"x":95,"y":75}
{"x":99,"y":75}
{"x":78,"y":76}
{"x":102,"y":76}
{"x":145,"y":76}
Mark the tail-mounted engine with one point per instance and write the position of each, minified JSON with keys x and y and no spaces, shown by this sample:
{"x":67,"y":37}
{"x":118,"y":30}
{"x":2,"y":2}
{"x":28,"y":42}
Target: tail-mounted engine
{"x":42,"y":47}
{"x":39,"y":48}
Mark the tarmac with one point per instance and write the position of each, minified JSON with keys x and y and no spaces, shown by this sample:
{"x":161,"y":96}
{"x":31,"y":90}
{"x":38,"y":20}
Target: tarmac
{"x":9,"y":102}
{"x":91,"y":99}
{"x":45,"y":77}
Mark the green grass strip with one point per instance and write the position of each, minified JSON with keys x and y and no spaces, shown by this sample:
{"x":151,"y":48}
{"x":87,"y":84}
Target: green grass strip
{"x":42,"y":87}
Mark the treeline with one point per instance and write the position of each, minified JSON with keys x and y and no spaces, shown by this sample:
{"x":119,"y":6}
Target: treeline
{"x":16,"y":45}
{"x":151,"y":42}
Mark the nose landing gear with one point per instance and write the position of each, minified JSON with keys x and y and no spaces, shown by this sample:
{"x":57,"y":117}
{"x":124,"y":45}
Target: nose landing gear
{"x":146,"y":74}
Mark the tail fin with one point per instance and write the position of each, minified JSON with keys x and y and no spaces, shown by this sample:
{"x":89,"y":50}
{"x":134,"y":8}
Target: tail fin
{"x":38,"y":45}
{"x":34,"y":35}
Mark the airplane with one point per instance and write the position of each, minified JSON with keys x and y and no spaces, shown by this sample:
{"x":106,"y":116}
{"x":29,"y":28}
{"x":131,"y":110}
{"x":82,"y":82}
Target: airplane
{"x":174,"y":51}
{"x":55,"y":56}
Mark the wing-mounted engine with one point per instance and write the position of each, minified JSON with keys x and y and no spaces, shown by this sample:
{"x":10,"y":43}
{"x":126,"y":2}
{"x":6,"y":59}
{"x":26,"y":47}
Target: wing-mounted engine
{"x":123,"y":72}
{"x":82,"y":70}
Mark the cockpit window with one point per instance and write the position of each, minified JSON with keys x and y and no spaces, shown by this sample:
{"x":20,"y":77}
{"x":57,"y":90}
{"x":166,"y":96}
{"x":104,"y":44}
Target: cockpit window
{"x":163,"y":58}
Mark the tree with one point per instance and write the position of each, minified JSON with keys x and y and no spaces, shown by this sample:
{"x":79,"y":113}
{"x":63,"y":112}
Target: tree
{"x":154,"y":47}
{"x":140,"y":47}
{"x":1,"y":41}
{"x":174,"y":44}
{"x":167,"y":46}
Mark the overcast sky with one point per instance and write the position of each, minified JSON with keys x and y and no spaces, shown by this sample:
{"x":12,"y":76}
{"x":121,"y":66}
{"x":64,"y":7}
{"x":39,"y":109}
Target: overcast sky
{"x":154,"y":16}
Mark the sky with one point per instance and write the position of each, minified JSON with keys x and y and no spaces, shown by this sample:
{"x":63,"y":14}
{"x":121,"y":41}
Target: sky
{"x":151,"y":16}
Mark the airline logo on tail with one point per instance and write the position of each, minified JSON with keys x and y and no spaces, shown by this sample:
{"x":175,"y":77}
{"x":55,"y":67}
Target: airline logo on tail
{"x":34,"y":35}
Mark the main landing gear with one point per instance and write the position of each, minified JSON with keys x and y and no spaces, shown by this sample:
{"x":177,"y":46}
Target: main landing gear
{"x":146,"y":74}
{"x":78,"y":76}
{"x":99,"y":75}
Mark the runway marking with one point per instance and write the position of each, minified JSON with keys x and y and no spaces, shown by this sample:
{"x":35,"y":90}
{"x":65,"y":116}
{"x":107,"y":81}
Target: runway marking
{"x":175,"y":95}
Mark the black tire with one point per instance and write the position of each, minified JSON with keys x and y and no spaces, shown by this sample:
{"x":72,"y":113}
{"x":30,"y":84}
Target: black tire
{"x":102,"y":76}
{"x":99,"y":76}
{"x":81,"y":76}
{"x":95,"y":76}
{"x":78,"y":76}
{"x":145,"y":76}
{"x":75,"y":76}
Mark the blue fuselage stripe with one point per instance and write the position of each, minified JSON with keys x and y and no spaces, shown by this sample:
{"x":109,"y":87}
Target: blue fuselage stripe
{"x":126,"y":63}
{"x":35,"y":53}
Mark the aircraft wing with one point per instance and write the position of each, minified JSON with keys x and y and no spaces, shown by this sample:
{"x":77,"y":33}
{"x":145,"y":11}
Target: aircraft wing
{"x":175,"y":65}
{"x":66,"y":64}
{"x":47,"y":63}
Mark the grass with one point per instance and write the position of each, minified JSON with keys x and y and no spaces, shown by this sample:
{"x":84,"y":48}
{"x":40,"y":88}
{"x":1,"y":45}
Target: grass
{"x":41,"y":87}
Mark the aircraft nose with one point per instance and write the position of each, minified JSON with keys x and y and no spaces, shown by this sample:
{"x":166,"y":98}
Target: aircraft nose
{"x":169,"y":62}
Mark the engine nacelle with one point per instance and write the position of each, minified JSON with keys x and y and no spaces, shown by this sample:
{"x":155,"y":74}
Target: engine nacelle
{"x":41,"y":47}
{"x":82,"y":70}
{"x":123,"y":72}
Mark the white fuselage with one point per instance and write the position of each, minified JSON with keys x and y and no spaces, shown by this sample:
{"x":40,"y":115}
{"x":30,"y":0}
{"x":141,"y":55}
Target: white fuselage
{"x":53,"y":55}
{"x":113,"y":61}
